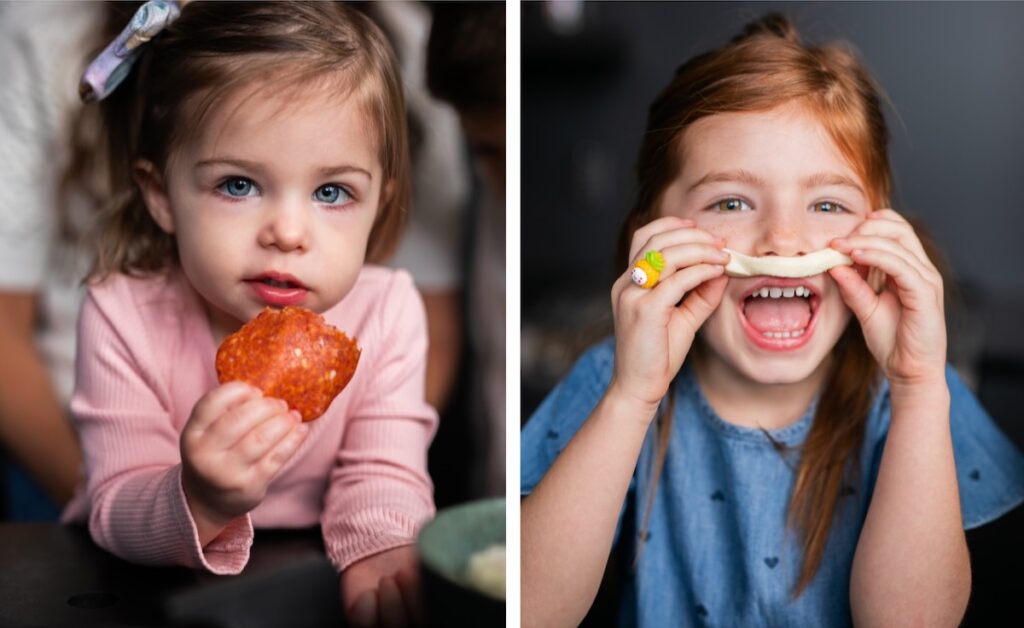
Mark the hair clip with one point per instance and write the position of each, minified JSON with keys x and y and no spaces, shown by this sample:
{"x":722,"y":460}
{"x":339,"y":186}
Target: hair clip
{"x":113,"y":64}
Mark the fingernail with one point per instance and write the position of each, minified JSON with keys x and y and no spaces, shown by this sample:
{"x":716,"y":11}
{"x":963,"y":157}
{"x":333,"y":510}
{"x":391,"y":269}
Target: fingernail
{"x":297,"y":415}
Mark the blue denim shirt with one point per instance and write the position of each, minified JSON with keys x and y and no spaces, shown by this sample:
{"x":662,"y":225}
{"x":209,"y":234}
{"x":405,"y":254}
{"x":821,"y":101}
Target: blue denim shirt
{"x":718,"y":551}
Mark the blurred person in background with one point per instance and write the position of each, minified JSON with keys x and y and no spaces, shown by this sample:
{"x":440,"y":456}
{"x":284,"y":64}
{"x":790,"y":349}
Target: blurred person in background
{"x":466,"y":67}
{"x":47,"y":194}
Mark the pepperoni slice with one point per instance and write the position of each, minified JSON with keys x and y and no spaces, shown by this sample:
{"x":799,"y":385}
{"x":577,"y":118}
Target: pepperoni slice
{"x":292,"y":354}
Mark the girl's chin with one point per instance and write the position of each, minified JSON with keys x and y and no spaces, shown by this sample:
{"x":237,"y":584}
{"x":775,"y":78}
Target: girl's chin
{"x":780,"y":374}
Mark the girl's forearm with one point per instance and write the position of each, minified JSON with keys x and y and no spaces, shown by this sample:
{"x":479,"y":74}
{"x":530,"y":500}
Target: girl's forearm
{"x":569,"y":520}
{"x":911,"y":565}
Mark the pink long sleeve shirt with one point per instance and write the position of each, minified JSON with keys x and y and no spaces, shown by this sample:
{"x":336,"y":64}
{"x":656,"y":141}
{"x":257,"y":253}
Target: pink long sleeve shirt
{"x":146,"y":355}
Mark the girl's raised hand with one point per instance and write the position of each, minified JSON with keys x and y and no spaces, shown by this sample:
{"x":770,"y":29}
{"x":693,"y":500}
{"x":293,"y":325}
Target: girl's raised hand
{"x":233,"y":445}
{"x":654,"y":328}
{"x":904,"y":326}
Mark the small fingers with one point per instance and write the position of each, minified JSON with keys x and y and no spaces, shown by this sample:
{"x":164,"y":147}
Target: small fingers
{"x":392,"y":610}
{"x":855,"y":291}
{"x":409,"y":586}
{"x":675,"y":238}
{"x":363,"y":612}
{"x":886,"y":222}
{"x":220,"y":400}
{"x":887,"y":213}
{"x":283,"y":450}
{"x":675,"y":258}
{"x":671,"y":291}
{"x":910,"y":284}
{"x":683,"y":256}
{"x":266,"y":435}
{"x":893,"y":247}
{"x":235,"y":424}
{"x":702,"y":301}
{"x":642,"y":235}
{"x":681,"y":233}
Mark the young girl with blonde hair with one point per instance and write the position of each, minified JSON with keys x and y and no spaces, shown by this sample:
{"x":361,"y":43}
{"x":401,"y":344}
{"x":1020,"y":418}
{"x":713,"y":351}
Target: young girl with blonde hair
{"x":258,"y":157}
{"x":776,"y":440}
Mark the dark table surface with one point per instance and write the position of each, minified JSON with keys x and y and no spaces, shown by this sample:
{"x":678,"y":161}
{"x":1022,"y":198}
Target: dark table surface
{"x":54,"y":575}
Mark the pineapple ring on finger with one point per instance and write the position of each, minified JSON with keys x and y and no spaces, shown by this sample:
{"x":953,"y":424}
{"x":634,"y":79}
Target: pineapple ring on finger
{"x":647,"y":271}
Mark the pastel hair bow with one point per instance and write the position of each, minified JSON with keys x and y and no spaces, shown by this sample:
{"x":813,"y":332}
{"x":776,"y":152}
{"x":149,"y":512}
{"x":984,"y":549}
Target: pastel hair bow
{"x":113,"y":64}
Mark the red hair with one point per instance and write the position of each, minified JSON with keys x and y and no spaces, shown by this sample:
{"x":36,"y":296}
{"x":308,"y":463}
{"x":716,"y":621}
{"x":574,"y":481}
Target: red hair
{"x":765,"y":67}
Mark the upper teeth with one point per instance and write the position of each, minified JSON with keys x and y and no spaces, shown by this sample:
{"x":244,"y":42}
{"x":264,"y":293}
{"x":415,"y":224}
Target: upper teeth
{"x":779,"y":293}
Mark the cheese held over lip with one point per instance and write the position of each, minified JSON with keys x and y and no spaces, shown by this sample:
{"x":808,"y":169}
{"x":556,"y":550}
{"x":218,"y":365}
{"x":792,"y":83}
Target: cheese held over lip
{"x":815,"y":263}
{"x":292,"y":354}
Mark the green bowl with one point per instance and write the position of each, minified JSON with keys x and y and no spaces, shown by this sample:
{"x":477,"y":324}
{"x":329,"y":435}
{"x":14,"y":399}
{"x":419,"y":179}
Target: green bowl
{"x":444,"y":546}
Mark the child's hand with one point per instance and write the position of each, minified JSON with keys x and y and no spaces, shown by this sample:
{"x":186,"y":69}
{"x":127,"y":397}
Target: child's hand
{"x":383,"y":590}
{"x":904,"y":326}
{"x":233,"y":445}
{"x":653,"y":330}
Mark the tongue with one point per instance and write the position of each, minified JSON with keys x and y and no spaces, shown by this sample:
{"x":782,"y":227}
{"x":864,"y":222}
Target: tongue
{"x":786,"y":314}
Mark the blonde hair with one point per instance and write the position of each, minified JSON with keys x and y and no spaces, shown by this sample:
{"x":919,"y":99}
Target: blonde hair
{"x":216,"y":49}
{"x":764,"y":67}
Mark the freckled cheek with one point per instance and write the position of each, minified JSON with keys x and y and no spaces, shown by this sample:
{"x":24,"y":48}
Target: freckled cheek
{"x":823,"y":234}
{"x":735,"y":236}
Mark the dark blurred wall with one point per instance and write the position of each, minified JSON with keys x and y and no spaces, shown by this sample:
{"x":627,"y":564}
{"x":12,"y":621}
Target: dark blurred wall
{"x":954,"y":73}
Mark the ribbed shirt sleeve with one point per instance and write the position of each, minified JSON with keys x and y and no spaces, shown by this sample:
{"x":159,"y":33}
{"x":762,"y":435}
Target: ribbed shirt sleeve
{"x":379,"y":493}
{"x":132,"y":455}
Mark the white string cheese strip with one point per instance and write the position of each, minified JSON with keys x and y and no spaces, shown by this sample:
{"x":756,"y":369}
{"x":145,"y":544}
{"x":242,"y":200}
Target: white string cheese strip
{"x":741,"y":265}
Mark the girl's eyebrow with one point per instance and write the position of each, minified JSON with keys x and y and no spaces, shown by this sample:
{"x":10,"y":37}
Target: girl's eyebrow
{"x":816,"y":180}
{"x":256,"y":167}
{"x":730,"y":176}
{"x":824,"y":179}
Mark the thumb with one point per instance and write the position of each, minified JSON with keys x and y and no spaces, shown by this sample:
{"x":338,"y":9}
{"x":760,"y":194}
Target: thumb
{"x":856,"y":292}
{"x":702,"y":300}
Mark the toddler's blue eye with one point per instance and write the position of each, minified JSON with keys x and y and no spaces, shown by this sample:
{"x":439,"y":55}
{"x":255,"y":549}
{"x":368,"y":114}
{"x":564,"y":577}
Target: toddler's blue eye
{"x":331,"y":194}
{"x":731,"y":205}
{"x":829,"y":207}
{"x":237,"y":187}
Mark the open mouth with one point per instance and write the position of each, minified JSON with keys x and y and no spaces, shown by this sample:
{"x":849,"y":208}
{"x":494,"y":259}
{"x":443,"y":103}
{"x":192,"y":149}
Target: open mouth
{"x":779,"y":313}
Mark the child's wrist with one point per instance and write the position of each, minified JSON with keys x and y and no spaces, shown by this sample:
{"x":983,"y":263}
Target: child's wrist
{"x":621,"y":403}
{"x":209,"y":521}
{"x":923,"y":392}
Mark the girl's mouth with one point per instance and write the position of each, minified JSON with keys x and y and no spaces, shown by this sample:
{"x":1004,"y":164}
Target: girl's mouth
{"x":780,"y":314}
{"x":278,"y":290}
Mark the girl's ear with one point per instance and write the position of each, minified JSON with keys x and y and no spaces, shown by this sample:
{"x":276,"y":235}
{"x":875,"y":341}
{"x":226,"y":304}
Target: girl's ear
{"x":154,"y":193}
{"x":387,"y":194}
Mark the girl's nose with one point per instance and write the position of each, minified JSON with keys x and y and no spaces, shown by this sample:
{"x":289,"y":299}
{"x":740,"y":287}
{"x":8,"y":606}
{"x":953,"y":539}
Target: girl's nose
{"x":286,"y":227}
{"x":784,"y":234}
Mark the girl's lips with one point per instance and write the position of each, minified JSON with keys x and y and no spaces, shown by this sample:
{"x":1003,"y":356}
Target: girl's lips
{"x":277,"y":296}
{"x":781,"y":344}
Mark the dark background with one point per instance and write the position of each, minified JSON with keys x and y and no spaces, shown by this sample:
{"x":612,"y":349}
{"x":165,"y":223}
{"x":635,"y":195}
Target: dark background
{"x":954,"y":77}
